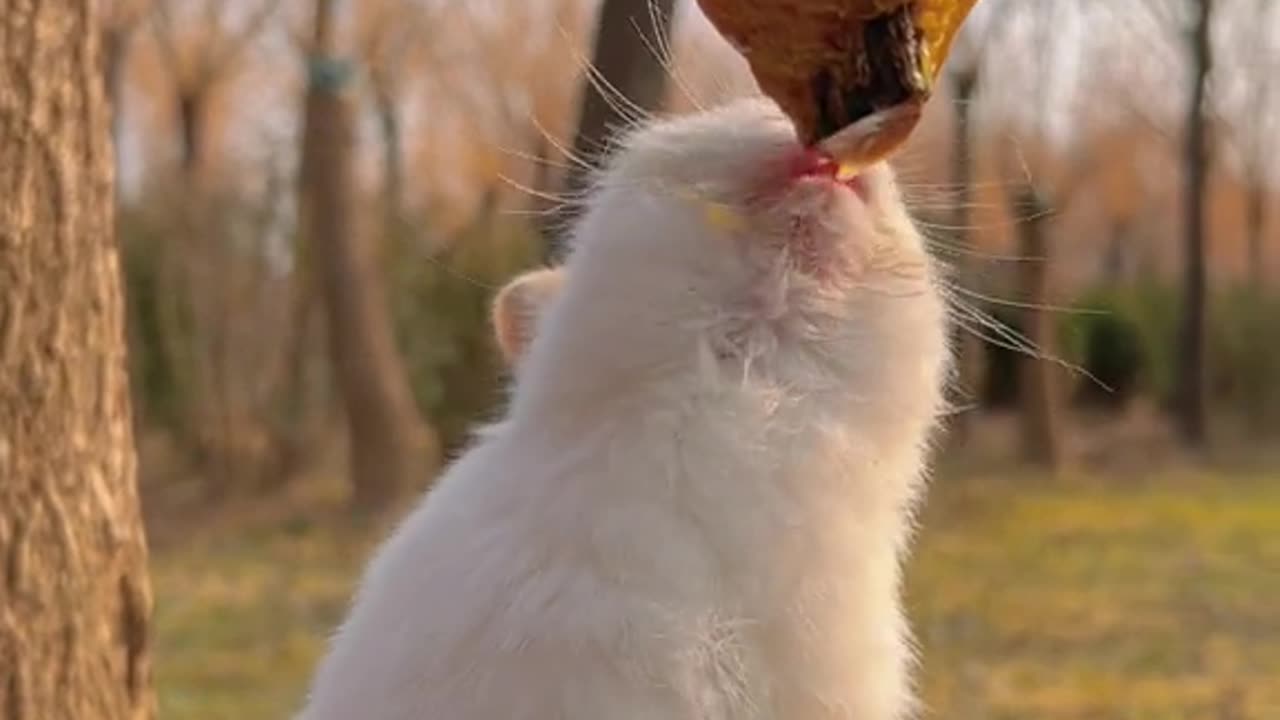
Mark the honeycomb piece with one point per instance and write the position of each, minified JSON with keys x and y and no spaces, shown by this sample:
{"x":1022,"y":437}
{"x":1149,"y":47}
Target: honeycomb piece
{"x":853,"y":75}
{"x":940,"y":20}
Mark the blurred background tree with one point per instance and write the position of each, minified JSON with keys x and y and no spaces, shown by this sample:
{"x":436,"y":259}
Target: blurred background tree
{"x":626,"y":84}
{"x":1192,"y":420}
{"x":316,"y":202}
{"x":472,"y":129}
{"x":391,"y":449}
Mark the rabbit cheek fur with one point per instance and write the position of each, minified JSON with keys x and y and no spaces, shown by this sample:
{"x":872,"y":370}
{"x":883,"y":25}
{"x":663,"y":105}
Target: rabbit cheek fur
{"x":700,"y":497}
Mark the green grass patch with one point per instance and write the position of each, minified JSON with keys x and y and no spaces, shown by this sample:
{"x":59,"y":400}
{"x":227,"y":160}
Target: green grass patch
{"x":1156,"y":601}
{"x":1153,"y":600}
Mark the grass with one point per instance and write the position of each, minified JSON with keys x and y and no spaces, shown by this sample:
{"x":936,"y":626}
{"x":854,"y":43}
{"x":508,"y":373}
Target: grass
{"x":1154,"y":599}
{"x":241,"y":621}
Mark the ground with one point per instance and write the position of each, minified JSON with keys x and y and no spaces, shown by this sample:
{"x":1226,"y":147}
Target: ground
{"x":1068,"y":600}
{"x":1148,"y":596}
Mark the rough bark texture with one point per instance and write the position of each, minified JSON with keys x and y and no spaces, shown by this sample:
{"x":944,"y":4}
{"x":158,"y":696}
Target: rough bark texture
{"x":75,"y":602}
{"x":393,"y":452}
{"x":1191,"y":338}
{"x":1037,"y":392}
{"x":625,"y":57}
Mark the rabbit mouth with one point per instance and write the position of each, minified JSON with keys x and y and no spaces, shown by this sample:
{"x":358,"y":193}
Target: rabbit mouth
{"x":811,"y":165}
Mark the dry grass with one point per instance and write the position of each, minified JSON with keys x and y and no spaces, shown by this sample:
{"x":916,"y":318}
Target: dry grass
{"x":1142,"y":597}
{"x":1152,"y":599}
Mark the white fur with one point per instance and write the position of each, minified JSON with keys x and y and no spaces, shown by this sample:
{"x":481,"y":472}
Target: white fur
{"x":698,"y":503}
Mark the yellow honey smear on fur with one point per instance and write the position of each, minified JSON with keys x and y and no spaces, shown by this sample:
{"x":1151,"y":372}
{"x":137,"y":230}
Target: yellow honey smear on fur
{"x":720,"y":217}
{"x":717,"y":216}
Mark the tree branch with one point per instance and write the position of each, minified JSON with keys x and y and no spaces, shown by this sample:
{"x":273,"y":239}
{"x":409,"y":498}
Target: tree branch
{"x":163,"y":29}
{"x":222,"y":54}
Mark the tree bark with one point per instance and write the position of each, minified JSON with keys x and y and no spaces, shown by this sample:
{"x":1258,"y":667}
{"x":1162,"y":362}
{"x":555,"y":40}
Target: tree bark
{"x":1037,"y":388}
{"x":393,"y":452}
{"x":1191,"y":338}
{"x":75,"y":602}
{"x":625,"y":59}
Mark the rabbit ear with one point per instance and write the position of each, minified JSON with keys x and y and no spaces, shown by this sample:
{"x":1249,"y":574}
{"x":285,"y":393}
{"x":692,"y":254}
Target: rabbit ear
{"x":518,"y":307}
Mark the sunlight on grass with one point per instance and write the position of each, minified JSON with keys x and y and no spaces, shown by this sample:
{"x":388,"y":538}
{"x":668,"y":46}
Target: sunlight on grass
{"x":1031,"y":600}
{"x":1060,"y":601}
{"x":242,"y":621}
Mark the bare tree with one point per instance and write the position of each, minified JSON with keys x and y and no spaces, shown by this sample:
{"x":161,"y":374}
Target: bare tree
{"x":200,"y":62}
{"x":393,"y":40}
{"x":392,"y":451}
{"x":963,"y":78}
{"x":396,"y":43}
{"x":1039,"y":397}
{"x":964,"y":75}
{"x":199,"y":44}
{"x":1039,"y":183}
{"x":1151,"y":23}
{"x":627,"y":73}
{"x":75,"y":602}
{"x":1191,"y":337}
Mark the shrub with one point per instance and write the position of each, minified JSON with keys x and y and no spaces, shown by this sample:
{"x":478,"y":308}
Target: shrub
{"x":1126,"y":339}
{"x":1244,"y":354}
{"x":1103,"y":338}
{"x":158,"y":383}
{"x":1129,"y":341}
{"x":441,"y":306}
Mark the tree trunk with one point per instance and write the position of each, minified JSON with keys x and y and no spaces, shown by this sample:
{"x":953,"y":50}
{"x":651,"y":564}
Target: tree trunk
{"x":1256,"y":229}
{"x":395,"y":238}
{"x":291,"y":417}
{"x":392,"y":159}
{"x":186,"y":297}
{"x":1037,"y":388}
{"x":1256,"y":402}
{"x":625,"y":58}
{"x":1114,"y":262}
{"x":393,"y":452}
{"x":191,"y":108}
{"x":968,"y":351}
{"x":75,"y":602}
{"x":1191,"y":337}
